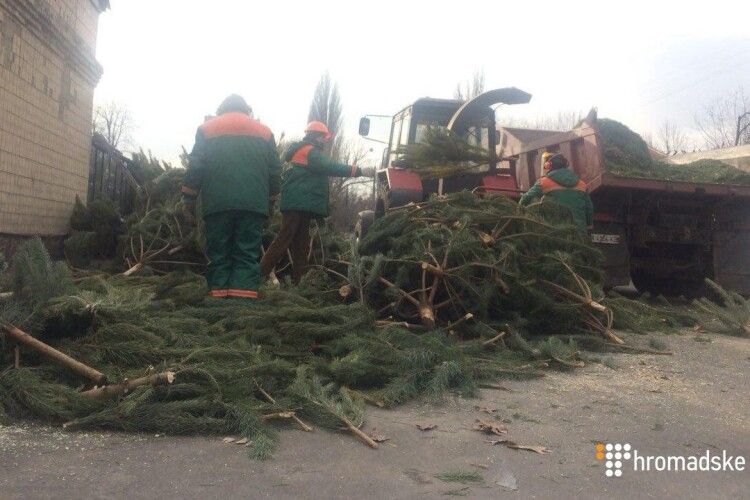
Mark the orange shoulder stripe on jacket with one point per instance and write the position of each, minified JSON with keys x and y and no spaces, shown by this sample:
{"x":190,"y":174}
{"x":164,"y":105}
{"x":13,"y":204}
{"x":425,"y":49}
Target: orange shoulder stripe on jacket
{"x":246,"y":294}
{"x":235,"y":124}
{"x":548,"y":184}
{"x":300,"y":156}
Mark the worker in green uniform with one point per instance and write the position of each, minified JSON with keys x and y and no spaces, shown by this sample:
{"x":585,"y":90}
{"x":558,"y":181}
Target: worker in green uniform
{"x":304,"y":196}
{"x":235,"y":168}
{"x":564,"y":186}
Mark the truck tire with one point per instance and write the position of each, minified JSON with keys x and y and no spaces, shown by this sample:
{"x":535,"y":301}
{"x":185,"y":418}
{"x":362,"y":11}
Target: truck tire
{"x":364,"y":221}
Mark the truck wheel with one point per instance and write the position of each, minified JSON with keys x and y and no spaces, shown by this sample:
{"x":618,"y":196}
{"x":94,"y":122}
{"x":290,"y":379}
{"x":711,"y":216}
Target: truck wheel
{"x":364,"y":221}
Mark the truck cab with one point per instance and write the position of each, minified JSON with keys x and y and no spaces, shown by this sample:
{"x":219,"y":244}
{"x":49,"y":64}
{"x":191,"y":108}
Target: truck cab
{"x":396,"y":185}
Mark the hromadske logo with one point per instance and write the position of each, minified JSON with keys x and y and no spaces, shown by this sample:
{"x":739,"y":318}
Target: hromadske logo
{"x":617,"y":456}
{"x":614,"y":454}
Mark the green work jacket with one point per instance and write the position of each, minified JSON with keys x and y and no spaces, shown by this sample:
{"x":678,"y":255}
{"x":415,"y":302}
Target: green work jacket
{"x":566,"y":188}
{"x":304,"y":181}
{"x":234,"y":165}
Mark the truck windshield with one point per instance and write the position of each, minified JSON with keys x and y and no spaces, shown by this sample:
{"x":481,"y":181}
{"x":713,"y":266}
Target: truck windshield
{"x":478,"y":136}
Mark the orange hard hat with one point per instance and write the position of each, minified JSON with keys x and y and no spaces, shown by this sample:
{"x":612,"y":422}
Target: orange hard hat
{"x":319,"y":127}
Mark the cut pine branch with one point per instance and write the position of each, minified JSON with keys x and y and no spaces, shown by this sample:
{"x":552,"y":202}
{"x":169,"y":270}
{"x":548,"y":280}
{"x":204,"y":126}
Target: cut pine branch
{"x":358,"y":433}
{"x":52,"y":353}
{"x":293,"y":415}
{"x":426,"y":310}
{"x":127,"y":385}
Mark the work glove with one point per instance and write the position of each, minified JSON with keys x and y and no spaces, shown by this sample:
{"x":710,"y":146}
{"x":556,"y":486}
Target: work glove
{"x":188,"y":212}
{"x":367,"y":171}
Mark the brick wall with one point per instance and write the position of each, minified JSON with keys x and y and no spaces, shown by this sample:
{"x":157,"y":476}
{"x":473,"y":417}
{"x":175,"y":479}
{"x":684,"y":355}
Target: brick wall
{"x":47,"y":78}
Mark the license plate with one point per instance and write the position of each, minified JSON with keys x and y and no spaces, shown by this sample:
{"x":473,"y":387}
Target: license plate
{"x":606,"y":239}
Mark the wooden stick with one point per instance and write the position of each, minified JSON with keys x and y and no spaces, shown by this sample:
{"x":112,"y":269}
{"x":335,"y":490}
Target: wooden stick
{"x":145,"y":259}
{"x":361,"y":435}
{"x":116,"y":390}
{"x":612,"y":337}
{"x":604,"y":330}
{"x":294,"y":416}
{"x":381,"y":311}
{"x":466,"y":317}
{"x":494,"y":339}
{"x":54,"y":354}
{"x":403,"y":293}
{"x":281,"y":415}
{"x":176,"y":249}
{"x":402,"y":324}
{"x":137,"y":267}
{"x":431,"y":268}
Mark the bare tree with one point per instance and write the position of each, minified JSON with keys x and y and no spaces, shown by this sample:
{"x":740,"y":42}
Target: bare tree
{"x":326,"y":107}
{"x":471,"y":88}
{"x":671,"y":139}
{"x":113,"y":121}
{"x":345,"y":199}
{"x":349,"y":196}
{"x":726,"y":122}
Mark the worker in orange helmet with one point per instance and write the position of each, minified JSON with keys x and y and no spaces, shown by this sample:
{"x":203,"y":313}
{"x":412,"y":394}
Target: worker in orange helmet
{"x":304,"y":196}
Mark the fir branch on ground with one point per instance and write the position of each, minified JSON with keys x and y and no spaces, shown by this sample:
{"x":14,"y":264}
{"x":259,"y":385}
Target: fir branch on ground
{"x":729,"y":314}
{"x":321,"y":360}
{"x":461,"y":476}
{"x":320,"y":356}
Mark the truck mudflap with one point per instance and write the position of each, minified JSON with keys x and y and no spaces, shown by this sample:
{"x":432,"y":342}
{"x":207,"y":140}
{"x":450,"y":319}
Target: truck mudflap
{"x":731,"y":248}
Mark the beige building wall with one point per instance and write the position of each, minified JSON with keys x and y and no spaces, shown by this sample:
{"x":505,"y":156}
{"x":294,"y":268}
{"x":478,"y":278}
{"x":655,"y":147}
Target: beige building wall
{"x":48,"y":73}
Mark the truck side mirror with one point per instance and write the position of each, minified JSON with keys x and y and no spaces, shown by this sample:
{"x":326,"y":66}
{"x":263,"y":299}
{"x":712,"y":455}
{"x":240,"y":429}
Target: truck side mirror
{"x":364,"y":126}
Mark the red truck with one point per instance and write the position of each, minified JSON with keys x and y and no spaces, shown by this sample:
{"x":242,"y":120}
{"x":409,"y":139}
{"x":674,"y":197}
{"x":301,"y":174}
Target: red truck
{"x":662,"y":236}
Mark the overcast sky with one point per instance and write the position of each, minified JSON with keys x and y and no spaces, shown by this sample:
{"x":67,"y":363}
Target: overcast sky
{"x":172,"y":61}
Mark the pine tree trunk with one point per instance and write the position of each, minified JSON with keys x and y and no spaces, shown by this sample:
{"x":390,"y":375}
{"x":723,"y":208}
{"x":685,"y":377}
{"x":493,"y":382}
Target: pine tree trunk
{"x":116,"y":390}
{"x":51,"y":352}
{"x":137,"y":267}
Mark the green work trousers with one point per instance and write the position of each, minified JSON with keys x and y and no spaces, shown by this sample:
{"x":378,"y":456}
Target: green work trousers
{"x":233,"y":243}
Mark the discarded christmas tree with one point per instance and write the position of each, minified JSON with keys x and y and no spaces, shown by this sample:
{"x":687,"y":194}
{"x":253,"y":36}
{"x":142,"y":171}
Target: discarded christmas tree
{"x":473,"y":264}
{"x":443,"y":153}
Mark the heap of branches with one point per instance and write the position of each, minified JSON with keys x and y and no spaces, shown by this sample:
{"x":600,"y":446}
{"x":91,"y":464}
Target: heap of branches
{"x":157,"y":235}
{"x":471,"y":261}
{"x":628,"y":155}
{"x":150,"y":353}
